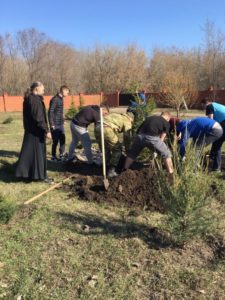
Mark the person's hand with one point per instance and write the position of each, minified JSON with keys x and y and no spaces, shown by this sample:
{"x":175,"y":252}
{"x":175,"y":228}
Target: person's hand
{"x":179,"y":137}
{"x":155,"y":155}
{"x":183,"y":158}
{"x":49,"y":136}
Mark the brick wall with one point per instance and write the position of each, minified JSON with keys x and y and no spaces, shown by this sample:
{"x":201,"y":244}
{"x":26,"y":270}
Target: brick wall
{"x":15,"y":103}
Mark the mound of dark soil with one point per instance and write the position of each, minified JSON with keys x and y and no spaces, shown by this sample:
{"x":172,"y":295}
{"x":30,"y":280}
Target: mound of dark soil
{"x":133,"y":188}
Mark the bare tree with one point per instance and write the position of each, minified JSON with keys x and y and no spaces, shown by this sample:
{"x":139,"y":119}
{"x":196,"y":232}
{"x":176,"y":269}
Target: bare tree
{"x":61,"y":65}
{"x":29,"y":43}
{"x":109,"y":68}
{"x":172,"y":74}
{"x":180,"y":90}
{"x":2,"y":62}
{"x":15,"y":71}
{"x":100,"y":70}
{"x":213,"y":56}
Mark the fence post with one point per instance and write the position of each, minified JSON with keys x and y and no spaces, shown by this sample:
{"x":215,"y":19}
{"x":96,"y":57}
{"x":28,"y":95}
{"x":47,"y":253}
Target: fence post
{"x":117,"y":98}
{"x":81,"y":100}
{"x":101,"y":98}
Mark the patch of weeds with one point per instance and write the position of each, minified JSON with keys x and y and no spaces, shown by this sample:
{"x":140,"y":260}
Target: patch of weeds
{"x":8,"y":120}
{"x":72,"y":111}
{"x":218,"y":190}
{"x":187,"y":200}
{"x":7,"y":210}
{"x":217,"y":243}
{"x":190,"y":279}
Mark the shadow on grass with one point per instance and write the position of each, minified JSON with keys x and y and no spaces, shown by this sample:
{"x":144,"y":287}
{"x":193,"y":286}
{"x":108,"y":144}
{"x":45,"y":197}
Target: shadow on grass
{"x":5,"y":153}
{"x":7,"y":171}
{"x":76,"y":167}
{"x":92,"y":225}
{"x":8,"y":168}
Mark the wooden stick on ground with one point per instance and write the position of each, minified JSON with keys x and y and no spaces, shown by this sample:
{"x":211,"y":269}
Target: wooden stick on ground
{"x":49,"y":189}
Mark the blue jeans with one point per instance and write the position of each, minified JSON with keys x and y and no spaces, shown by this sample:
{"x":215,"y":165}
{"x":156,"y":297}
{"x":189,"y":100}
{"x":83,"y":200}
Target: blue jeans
{"x":215,"y":153}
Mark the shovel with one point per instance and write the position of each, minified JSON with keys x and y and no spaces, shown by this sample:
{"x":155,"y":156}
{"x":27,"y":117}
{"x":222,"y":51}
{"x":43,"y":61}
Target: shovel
{"x":105,"y":180}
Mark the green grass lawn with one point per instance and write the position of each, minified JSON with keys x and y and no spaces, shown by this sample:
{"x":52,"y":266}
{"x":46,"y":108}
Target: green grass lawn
{"x":64,"y":248}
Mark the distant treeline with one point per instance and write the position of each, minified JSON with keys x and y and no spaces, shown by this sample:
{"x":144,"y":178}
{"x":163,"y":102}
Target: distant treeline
{"x":29,"y":55}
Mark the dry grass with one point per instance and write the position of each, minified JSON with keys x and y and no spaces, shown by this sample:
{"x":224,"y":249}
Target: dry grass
{"x":64,"y":248}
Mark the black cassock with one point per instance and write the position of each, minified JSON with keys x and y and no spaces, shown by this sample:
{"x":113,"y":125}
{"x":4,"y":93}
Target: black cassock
{"x":32,"y":161}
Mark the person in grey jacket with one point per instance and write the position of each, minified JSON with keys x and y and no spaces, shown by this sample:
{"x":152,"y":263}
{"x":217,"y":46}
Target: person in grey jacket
{"x":56,"y":122}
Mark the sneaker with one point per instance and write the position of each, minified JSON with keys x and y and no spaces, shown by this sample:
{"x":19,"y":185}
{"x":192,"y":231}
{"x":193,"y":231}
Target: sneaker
{"x":63,"y":156}
{"x":48,"y":180}
{"x":112,"y":172}
{"x":216,"y":170}
{"x":81,"y":157}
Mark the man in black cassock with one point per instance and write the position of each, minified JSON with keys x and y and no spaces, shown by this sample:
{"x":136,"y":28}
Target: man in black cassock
{"x":32,"y":160}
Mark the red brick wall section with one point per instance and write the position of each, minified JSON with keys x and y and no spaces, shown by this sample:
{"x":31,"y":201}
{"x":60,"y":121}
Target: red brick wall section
{"x":72,"y":98}
{"x":15,"y":103}
{"x":90,"y":99}
{"x":1,"y":104}
{"x":111,"y":99}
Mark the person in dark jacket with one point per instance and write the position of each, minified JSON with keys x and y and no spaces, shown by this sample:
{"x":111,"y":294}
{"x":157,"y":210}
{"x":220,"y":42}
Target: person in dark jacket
{"x":32,"y":160}
{"x":151,"y":134}
{"x":79,"y":129}
{"x":56,"y":122}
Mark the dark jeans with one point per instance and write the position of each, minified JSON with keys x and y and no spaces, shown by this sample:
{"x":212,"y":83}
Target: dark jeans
{"x":58,"y":136}
{"x":215,"y":153}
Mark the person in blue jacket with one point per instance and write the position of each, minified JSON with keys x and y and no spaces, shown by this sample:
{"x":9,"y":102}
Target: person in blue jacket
{"x":142,"y":97}
{"x":202,"y":130}
{"x":216,"y":112}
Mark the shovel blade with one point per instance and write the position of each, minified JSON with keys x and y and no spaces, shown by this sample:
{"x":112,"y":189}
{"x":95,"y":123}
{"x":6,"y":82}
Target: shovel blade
{"x":106,"y":184}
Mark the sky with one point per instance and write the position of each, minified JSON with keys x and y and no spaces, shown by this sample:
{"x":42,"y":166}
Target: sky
{"x":85,"y":23}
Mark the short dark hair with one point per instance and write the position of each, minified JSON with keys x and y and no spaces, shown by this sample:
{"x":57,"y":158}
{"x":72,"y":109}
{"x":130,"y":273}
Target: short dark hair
{"x":205,"y":100}
{"x":33,"y":86}
{"x":105,"y":106}
{"x":63,"y":87}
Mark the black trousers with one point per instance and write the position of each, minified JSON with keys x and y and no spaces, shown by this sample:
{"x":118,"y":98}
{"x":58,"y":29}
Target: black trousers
{"x":32,"y":163}
{"x":58,"y":136}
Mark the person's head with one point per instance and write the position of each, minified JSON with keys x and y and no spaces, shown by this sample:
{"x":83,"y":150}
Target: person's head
{"x":105,"y":109}
{"x":173,"y":123}
{"x":64,"y":91}
{"x":37,"y":88}
{"x":206,"y":101}
{"x":166,"y":115}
